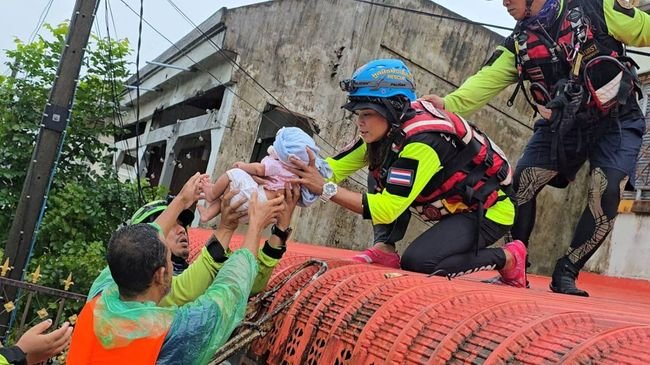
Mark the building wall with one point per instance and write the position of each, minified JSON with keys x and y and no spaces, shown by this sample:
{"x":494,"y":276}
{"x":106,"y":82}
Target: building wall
{"x":300,"y":49}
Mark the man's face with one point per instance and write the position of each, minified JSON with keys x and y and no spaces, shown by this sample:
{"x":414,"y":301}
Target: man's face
{"x":178,"y":242}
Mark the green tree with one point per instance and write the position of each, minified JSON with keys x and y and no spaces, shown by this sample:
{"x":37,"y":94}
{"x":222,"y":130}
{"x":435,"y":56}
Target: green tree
{"x":86,"y":202}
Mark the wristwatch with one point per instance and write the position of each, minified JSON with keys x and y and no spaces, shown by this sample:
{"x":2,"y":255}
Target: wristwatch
{"x":329,"y":190}
{"x":282,"y":235}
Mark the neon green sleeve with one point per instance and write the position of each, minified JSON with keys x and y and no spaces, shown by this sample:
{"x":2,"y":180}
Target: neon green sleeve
{"x":479,"y":89}
{"x":192,"y":282}
{"x":631,"y":30}
{"x":386,"y":207}
{"x":3,"y":360}
{"x":502,"y":212}
{"x":348,"y":162}
{"x":202,"y":326}
{"x":265,"y":265}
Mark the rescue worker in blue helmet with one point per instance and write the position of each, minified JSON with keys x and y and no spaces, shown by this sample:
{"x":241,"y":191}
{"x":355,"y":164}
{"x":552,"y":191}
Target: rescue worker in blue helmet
{"x":433,"y":161}
{"x":584,"y":87}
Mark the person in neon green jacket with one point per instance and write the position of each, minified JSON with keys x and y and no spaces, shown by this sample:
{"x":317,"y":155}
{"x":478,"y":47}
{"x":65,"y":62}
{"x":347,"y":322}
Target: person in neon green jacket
{"x":427,"y":160}
{"x":193,"y":281}
{"x":193,"y":331}
{"x":585,"y":89}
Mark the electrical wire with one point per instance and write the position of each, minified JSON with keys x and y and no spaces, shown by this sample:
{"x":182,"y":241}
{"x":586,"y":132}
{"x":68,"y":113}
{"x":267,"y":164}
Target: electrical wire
{"x":41,"y":20}
{"x":434,"y":15}
{"x":255,"y":81}
{"x":117,"y":115}
{"x":463,"y":20}
{"x":137,"y":108}
{"x":357,"y":181}
{"x":492,"y":106}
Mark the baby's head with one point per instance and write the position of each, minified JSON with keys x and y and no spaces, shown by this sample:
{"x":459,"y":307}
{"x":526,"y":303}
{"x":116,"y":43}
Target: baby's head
{"x":291,"y":142}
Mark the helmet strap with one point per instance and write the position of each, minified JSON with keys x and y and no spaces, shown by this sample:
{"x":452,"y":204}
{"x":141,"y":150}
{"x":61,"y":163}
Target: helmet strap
{"x":395,"y":119}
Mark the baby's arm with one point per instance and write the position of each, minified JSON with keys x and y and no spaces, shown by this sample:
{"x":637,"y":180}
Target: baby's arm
{"x":253,"y":168}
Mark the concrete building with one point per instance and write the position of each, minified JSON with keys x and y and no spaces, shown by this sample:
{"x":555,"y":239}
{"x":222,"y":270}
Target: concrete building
{"x":245,"y":72}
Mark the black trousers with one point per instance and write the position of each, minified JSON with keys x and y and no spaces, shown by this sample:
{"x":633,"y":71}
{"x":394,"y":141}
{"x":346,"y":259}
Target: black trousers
{"x":449,"y":247}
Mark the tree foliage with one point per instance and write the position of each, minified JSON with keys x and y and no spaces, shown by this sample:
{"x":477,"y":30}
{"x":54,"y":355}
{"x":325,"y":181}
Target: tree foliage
{"x":86,"y":202}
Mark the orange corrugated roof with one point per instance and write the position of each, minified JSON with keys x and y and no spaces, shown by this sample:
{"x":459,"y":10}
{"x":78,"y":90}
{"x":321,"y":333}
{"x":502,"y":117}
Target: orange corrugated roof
{"x":364,"y":314}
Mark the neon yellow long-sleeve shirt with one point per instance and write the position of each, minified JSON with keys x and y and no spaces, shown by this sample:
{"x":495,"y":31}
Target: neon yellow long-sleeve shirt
{"x":628,"y":26}
{"x":420,"y":162}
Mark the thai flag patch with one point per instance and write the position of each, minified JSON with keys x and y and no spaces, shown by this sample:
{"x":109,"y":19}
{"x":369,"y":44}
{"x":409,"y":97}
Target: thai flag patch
{"x":402,"y":177}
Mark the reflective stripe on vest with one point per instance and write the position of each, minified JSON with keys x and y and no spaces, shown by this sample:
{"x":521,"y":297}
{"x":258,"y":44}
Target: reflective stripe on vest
{"x":85,"y":348}
{"x":473,"y":176}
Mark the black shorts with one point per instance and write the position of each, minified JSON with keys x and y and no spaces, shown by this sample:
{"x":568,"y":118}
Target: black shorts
{"x":614,"y":145}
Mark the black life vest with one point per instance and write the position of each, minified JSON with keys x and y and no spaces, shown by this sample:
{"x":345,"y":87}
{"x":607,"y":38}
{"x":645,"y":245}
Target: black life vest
{"x":581,"y":51}
{"x":471,"y":180}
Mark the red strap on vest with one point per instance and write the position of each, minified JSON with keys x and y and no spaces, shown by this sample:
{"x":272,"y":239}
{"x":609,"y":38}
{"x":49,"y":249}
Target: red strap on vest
{"x":431,"y":119}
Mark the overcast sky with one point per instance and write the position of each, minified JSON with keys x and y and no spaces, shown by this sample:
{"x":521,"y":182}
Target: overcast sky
{"x":20,"y":18}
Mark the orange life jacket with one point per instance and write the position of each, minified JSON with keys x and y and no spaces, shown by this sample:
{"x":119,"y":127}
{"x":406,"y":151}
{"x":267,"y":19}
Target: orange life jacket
{"x":85,"y":347}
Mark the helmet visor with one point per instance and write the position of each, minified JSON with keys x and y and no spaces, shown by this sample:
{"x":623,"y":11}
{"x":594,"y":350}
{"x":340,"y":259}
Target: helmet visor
{"x":354,"y":105}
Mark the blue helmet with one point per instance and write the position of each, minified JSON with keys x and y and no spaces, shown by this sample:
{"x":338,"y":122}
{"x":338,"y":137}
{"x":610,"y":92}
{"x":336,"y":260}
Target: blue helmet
{"x":384,"y":78}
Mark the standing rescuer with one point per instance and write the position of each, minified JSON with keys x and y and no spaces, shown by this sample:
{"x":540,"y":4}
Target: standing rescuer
{"x":571,"y":53}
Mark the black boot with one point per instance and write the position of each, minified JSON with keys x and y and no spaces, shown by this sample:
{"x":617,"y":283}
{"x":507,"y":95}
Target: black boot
{"x":564,"y":278}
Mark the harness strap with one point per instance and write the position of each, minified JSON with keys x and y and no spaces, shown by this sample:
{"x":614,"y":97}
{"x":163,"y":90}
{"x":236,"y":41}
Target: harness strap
{"x":462,"y":159}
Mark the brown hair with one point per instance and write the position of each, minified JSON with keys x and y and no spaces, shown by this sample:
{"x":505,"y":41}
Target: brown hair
{"x":376,"y":152}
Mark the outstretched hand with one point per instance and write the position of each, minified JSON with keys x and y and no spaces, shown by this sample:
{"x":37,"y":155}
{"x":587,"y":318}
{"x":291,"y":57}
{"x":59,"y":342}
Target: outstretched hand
{"x":291,"y":199}
{"x":229,"y":214}
{"x":39,"y":346}
{"x":308,"y":175}
{"x":192,"y":190}
{"x":261,"y":214}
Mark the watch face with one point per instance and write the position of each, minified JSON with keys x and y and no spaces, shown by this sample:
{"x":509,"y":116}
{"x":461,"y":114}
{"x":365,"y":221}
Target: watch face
{"x":330,"y":189}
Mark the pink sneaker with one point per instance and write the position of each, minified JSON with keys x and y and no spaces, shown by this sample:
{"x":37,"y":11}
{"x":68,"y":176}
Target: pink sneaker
{"x":377,"y":256}
{"x":515,"y":276}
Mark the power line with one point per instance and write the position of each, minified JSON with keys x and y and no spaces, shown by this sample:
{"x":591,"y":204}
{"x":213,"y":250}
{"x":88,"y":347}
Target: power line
{"x":117,"y":115}
{"x":41,"y":20}
{"x":454,"y":85}
{"x":234,"y":63}
{"x":463,"y":20}
{"x":434,"y":15}
{"x":137,"y":108}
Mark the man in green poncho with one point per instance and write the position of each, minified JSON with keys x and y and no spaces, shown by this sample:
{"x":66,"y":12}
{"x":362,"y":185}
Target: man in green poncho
{"x":124,"y":321}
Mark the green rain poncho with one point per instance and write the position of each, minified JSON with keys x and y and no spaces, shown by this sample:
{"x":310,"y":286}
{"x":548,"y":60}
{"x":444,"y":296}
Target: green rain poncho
{"x":196,"y":329}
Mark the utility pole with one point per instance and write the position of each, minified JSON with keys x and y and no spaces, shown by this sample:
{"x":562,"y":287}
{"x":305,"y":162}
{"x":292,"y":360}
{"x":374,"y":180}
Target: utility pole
{"x":40,"y":173}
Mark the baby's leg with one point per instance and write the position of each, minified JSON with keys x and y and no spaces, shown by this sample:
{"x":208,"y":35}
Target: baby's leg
{"x":216,"y":190}
{"x":212,"y":210}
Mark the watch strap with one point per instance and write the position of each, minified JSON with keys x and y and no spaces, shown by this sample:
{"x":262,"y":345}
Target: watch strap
{"x":282,"y":235}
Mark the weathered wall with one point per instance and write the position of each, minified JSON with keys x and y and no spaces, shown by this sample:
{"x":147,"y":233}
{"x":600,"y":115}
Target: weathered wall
{"x":629,"y":248}
{"x":300,"y":49}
